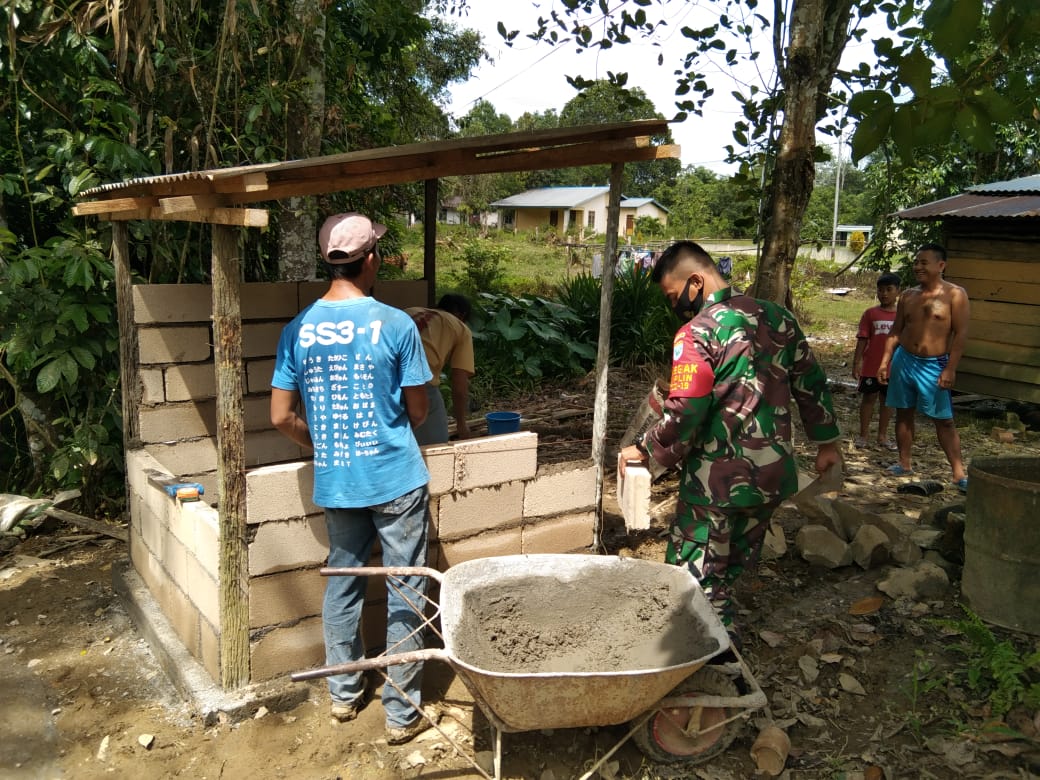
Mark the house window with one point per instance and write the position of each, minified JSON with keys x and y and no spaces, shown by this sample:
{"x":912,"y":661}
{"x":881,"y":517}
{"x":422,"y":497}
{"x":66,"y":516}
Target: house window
{"x":554,"y":218}
{"x":592,"y":220}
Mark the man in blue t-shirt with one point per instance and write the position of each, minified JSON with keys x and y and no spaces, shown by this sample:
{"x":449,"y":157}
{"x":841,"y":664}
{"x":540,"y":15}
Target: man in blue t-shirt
{"x":359,"y":371}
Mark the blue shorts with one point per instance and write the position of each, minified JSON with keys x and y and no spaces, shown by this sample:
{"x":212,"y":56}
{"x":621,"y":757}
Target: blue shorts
{"x":913,"y":382}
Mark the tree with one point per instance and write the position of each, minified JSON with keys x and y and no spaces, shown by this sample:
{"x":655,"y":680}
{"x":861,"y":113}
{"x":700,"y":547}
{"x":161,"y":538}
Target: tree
{"x":776,"y":138}
{"x":604,"y":101}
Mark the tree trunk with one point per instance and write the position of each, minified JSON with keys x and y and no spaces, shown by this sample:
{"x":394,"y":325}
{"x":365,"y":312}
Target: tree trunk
{"x":297,"y":222}
{"x":819,"y":30}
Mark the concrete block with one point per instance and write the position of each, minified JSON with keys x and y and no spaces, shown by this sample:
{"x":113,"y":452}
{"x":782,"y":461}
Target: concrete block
{"x":209,"y":649}
{"x":157,"y":303}
{"x":500,"y":542}
{"x":432,"y":513}
{"x":260,"y":339}
{"x":268,"y":300}
{"x":561,"y":534}
{"x":152,"y":389}
{"x":181,"y":522}
{"x":289,"y":544}
{"x":207,"y":537}
{"x":562,"y":487}
{"x":183,"y":344}
{"x":308,"y":292}
{"x":270,"y":446}
{"x":483,"y":509}
{"x":280,"y":492}
{"x":204,"y":591}
{"x":774,"y":545}
{"x":184,"y":618}
{"x":401,"y":293}
{"x":870,"y":547}
{"x":140,"y":465}
{"x":286,"y":650}
{"x":256,"y":413}
{"x":176,"y":422}
{"x":493,"y":460}
{"x":187,"y":457}
{"x":258,"y":375}
{"x":634,"y":496}
{"x":153,"y":531}
{"x":175,"y":560}
{"x":822,"y":547}
{"x":190,"y":382}
{"x":440,"y":461}
{"x":285,"y":597}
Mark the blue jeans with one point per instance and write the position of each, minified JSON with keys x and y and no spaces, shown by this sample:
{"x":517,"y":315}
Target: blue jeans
{"x":435,"y":429}
{"x":401,"y":526}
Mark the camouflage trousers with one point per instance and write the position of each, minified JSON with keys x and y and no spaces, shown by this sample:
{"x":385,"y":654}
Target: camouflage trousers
{"x":717,"y":545}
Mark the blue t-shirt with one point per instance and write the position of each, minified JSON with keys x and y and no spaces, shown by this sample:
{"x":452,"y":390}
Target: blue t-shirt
{"x":348,"y":360}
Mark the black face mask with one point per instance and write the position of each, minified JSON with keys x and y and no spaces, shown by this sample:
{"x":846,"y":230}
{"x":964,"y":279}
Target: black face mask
{"x":684,"y":308}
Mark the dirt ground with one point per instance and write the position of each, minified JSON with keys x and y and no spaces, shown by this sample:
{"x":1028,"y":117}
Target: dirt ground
{"x":83,"y":697}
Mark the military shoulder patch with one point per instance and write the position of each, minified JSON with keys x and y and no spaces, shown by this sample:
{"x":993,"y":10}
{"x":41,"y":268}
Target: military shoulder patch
{"x":692,"y":375}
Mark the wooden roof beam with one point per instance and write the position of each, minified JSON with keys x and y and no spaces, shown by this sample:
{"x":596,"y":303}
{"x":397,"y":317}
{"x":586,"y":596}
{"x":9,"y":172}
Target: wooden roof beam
{"x":213,"y":216}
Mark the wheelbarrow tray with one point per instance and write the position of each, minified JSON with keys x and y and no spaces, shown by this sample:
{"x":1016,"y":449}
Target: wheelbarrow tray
{"x":527,"y":701}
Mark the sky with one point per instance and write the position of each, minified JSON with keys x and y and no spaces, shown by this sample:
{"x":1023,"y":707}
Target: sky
{"x":530,"y":76}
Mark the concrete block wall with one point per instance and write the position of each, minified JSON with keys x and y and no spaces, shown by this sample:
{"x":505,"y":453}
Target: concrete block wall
{"x":174,"y":547}
{"x":487,"y":497}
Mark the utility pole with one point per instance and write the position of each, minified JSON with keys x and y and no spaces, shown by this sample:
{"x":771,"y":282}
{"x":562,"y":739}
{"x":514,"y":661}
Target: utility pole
{"x":837,"y":196}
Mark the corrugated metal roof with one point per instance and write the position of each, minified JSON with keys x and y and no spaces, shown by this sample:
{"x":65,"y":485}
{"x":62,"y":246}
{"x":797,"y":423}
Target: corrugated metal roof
{"x":976,"y":206}
{"x":1024,"y":185}
{"x":634,"y":203}
{"x":551,"y":198}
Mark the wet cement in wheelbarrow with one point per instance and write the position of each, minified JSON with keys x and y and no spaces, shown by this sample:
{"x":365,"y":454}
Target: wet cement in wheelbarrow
{"x":539,"y":624}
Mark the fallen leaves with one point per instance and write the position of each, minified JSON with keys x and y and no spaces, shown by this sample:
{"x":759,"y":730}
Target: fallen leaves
{"x":867,"y":606}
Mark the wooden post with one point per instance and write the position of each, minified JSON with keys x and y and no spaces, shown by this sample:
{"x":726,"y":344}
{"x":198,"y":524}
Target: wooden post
{"x":129,"y":377}
{"x":227,"y":358}
{"x":599,"y":418}
{"x":430,"y":242}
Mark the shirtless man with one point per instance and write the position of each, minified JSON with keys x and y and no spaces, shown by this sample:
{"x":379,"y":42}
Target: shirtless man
{"x":921,"y":356}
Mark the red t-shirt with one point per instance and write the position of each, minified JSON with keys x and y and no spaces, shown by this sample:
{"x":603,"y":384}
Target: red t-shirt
{"x":874,"y":326}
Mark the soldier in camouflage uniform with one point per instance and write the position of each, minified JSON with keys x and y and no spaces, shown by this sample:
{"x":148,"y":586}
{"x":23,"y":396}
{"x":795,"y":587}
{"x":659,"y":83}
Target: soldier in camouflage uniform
{"x":736,"y":367}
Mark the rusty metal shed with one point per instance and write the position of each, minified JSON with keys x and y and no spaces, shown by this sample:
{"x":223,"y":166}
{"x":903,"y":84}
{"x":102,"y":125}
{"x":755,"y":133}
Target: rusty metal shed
{"x":227,"y":199}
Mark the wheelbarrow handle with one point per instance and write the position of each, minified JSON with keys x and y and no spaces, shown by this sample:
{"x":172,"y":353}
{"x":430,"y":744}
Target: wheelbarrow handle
{"x":379,"y":662}
{"x":377,"y":571}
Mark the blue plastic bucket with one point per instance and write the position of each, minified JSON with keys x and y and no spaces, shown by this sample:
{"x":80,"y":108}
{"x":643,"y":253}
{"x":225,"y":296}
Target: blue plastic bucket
{"x":502,"y":422}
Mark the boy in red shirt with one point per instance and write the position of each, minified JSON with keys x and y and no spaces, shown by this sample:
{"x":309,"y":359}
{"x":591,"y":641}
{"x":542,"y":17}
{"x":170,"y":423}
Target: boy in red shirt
{"x":874,"y":327}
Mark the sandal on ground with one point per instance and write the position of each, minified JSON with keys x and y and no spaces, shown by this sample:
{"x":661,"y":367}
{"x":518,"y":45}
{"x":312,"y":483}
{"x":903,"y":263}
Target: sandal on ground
{"x":961,"y":484}
{"x":889,"y":445}
{"x":861,"y":443}
{"x":926,"y":487}
{"x":897,"y":470}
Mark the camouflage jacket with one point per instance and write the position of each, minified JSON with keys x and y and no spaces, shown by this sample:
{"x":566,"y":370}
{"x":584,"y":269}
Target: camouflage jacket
{"x":736,"y":366}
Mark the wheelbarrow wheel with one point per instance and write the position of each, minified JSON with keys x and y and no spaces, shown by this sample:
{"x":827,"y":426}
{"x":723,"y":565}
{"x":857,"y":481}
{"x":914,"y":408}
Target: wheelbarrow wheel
{"x":663,"y":738}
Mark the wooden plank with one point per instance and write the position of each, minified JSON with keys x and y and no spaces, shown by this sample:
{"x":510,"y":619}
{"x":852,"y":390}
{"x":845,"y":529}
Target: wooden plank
{"x":977,"y":363}
{"x":1003,"y":333}
{"x":430,"y":208}
{"x":87,"y":523}
{"x":229,"y":217}
{"x":113,"y":206}
{"x":621,"y":151}
{"x":1007,"y":292}
{"x":180,"y":204}
{"x":998,"y":388}
{"x":246,"y":182}
{"x":231,"y":472}
{"x":993,"y":269}
{"x":1012,"y":313}
{"x":991,"y":248}
{"x":129,"y":373}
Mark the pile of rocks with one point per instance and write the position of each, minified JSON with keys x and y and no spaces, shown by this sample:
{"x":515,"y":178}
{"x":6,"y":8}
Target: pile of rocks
{"x":923,"y":550}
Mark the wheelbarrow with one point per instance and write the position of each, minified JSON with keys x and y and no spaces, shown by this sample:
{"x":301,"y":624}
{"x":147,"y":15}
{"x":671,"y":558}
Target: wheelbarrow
{"x":570,"y":641}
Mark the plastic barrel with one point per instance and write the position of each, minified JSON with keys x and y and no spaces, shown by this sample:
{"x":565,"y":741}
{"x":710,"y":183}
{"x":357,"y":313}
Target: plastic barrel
{"x":1001,"y":579}
{"x":502,"y":422}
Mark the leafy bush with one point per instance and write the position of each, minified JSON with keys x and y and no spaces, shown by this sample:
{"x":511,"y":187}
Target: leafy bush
{"x":482,"y":266}
{"x":59,"y":359}
{"x":642,"y":324}
{"x":521,"y":341}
